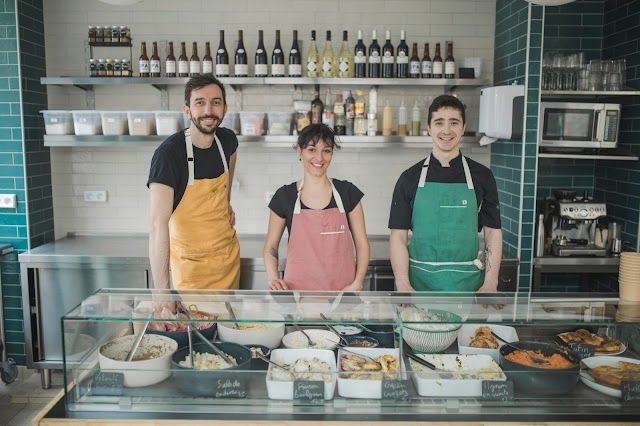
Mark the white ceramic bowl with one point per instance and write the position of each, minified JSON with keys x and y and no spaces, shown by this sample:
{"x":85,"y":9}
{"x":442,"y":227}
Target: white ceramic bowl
{"x":284,"y":390}
{"x":270,"y":337}
{"x":321,"y":338}
{"x":154,"y":368}
{"x":466,"y":332}
{"x":422,"y":339}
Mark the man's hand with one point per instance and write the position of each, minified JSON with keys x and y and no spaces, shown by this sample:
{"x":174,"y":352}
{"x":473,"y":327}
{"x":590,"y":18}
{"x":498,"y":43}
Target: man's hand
{"x":404,"y":286}
{"x":278,"y":284}
{"x":490,"y":288}
{"x":232,"y":216}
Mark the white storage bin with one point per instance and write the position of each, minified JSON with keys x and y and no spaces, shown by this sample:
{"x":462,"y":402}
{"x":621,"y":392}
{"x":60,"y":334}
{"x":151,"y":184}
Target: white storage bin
{"x":141,"y":123}
{"x":169,"y":122}
{"x":58,"y":122}
{"x":252,"y":123}
{"x":279,"y":123}
{"x":232,"y":122}
{"x":87,"y":122}
{"x":114,"y":122}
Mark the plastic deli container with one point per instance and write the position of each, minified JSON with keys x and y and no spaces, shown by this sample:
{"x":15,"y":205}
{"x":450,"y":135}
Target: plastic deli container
{"x":279,"y":123}
{"x":58,"y":122}
{"x":169,"y":122}
{"x":232,"y":122}
{"x":252,"y":123}
{"x":141,"y":123}
{"x":114,"y":122}
{"x":87,"y":122}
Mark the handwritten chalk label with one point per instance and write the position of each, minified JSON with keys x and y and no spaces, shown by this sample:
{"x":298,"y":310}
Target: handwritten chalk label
{"x":309,"y":390}
{"x":497,"y":391}
{"x":230,"y":388}
{"x":630,"y":392}
{"x":107,"y":383}
{"x":396,"y":390}
{"x":584,"y":350}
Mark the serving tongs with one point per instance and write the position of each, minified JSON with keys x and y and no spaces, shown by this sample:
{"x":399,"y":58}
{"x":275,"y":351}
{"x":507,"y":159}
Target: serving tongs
{"x":137,"y":341}
{"x":267,"y":360}
{"x":192,"y":328}
{"x":232,"y":315}
{"x":411,"y":355}
{"x":534,"y":359}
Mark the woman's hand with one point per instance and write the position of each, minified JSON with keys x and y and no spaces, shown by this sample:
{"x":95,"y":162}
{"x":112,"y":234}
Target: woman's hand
{"x":354,"y":286}
{"x":232,"y":216}
{"x":278,"y":284}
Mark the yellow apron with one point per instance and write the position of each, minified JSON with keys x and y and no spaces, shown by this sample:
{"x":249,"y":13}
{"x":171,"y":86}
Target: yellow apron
{"x":205,"y":253}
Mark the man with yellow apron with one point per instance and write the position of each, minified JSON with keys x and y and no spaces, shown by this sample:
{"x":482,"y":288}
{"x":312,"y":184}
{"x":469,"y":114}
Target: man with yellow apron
{"x":445,"y":200}
{"x":191,"y":223}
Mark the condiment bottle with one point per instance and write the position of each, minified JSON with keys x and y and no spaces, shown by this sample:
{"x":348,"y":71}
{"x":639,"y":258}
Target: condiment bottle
{"x":117,"y":68}
{"x":109,"y":66}
{"x":387,"y":120}
{"x":402,"y":120}
{"x":360,"y":121}
{"x":415,"y":120}
{"x":92,"y":34}
{"x":102,"y":68}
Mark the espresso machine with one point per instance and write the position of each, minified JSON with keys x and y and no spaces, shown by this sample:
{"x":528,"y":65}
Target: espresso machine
{"x":570,"y":224}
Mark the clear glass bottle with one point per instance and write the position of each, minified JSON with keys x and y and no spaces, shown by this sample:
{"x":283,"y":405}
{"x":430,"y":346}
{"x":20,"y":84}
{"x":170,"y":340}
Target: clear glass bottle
{"x":360,"y":120}
{"x":327,"y":115}
{"x":328,"y":59}
{"x":350,"y":113}
{"x":312,"y":57}
{"x":344,"y":58}
{"x":340,"y":126}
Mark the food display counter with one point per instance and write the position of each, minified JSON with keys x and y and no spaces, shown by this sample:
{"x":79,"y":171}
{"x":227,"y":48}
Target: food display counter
{"x":366,"y":363}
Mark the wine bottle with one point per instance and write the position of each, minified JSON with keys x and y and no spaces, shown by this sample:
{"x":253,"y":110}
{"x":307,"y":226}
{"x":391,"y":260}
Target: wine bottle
{"x":295,"y":61}
{"x":194,"y":61}
{"x":143,"y":62}
{"x":154,"y":63}
{"x":414,"y":63}
{"x":241,"y":67}
{"x":360,"y":58}
{"x":328,"y":59}
{"x":374,"y":57}
{"x":350,"y":113}
{"x":312,"y":57}
{"x":402,"y":60}
{"x":344,"y":58}
{"x":427,"y":65}
{"x":277,"y":58}
{"x":170,"y":63}
{"x":183,"y":61}
{"x":222,"y":58}
{"x":437,"y":63}
{"x":261,"y":57}
{"x":207,"y":60}
{"x":387,"y":57}
{"x":317,"y":107}
{"x":449,"y":63}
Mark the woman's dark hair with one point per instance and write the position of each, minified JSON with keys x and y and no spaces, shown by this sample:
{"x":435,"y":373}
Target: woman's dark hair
{"x":314,"y":133}
{"x":446,"y":101}
{"x":198,"y":82}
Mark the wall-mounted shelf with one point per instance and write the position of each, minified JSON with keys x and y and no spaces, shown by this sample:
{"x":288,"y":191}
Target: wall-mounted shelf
{"x":629,"y":91}
{"x":616,"y":154}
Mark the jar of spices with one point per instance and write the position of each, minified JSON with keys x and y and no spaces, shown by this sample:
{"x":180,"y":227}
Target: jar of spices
{"x":115,"y":34}
{"x":117,"y":67}
{"x":303,"y":119}
{"x":125,"y":35}
{"x":92,"y":34}
{"x":102,"y":68}
{"x":126,"y":68}
{"x":106,"y":34}
{"x":99,"y":34}
{"x":93,"y":68}
{"x":109,"y":65}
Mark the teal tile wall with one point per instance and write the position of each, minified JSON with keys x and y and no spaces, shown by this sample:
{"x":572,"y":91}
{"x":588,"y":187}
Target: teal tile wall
{"x":561,"y":173}
{"x":575,"y":27}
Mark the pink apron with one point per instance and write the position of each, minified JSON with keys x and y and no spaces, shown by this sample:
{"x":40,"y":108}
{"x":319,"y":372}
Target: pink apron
{"x":320,"y":253}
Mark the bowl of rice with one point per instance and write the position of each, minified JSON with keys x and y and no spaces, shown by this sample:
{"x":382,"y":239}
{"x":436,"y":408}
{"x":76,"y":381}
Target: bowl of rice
{"x":431,"y":330}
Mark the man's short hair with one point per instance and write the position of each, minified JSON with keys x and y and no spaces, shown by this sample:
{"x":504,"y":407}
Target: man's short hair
{"x":198,"y":82}
{"x":446,"y":101}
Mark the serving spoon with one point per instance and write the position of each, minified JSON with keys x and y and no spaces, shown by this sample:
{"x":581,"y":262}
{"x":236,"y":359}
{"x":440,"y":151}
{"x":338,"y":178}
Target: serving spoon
{"x":531,"y":357}
{"x":267,"y":360}
{"x":346,"y":342}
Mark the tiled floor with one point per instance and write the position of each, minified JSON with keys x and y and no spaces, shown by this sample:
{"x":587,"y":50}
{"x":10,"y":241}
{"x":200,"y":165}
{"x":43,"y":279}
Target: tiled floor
{"x":21,"y":400}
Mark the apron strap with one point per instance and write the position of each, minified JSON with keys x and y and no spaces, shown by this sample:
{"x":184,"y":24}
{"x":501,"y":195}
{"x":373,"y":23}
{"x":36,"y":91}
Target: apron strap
{"x":297,"y":207}
{"x":467,"y":173}
{"x":190,"y":160}
{"x":423,"y":173}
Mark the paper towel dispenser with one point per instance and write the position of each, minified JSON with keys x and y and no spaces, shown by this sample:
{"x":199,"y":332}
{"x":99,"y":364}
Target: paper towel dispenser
{"x":502,"y":112}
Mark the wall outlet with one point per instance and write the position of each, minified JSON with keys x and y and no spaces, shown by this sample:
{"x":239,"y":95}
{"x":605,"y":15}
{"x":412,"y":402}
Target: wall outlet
{"x":268,"y":195}
{"x":7,"y":201}
{"x":95,"y":196}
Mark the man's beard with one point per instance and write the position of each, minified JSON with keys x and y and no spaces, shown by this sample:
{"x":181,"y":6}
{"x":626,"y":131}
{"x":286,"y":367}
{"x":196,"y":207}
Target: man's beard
{"x":204,"y":130}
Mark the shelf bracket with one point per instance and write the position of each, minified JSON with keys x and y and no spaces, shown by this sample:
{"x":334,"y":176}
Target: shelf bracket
{"x":237,"y":88}
{"x":91,"y":96}
{"x":164,"y":96}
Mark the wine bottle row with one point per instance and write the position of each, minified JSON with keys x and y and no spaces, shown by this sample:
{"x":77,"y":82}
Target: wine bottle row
{"x":376,"y":62}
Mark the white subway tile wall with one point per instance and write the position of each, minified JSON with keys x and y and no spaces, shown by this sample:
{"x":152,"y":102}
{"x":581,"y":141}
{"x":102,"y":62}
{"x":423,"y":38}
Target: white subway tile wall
{"x":123,"y":172}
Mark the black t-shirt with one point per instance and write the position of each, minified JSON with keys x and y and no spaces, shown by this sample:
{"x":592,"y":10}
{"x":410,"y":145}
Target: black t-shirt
{"x":169,"y":162}
{"x":484,"y":185}
{"x":284,"y":200}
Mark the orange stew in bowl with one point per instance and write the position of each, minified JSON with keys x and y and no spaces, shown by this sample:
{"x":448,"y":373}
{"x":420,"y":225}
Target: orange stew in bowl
{"x":555,"y":360}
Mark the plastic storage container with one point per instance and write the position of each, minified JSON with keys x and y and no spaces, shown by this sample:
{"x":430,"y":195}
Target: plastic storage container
{"x":114,"y":122}
{"x":252,"y":123}
{"x":169,"y":122}
{"x":232,"y":122}
{"x":279,"y":123}
{"x":58,"y":122}
{"x":141,"y":123}
{"x":87,"y":122}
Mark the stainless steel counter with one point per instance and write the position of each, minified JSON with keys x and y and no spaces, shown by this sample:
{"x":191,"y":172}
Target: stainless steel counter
{"x":582,"y":265}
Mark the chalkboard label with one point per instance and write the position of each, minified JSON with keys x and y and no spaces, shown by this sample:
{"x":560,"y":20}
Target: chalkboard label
{"x":230,"y":388}
{"x":630,"y":392}
{"x":107,"y":383}
{"x":309,"y":390}
{"x":497,"y":391}
{"x":396,"y":390}
{"x":584,"y":350}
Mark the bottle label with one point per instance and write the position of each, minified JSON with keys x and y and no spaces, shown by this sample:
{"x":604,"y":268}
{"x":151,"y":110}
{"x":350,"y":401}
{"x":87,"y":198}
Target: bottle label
{"x":222,"y":69}
{"x":277,"y":69}
{"x":194,"y":67}
{"x":414,"y":68}
{"x":221,"y":50}
{"x":238,"y":51}
{"x":327,"y":118}
{"x":374,"y":58}
{"x":277,"y":50}
{"x":295,"y":70}
{"x":387,"y":58}
{"x":183,"y":67}
{"x":360,"y":58}
{"x":259,"y":51}
{"x":427,"y":67}
{"x":326,"y":66}
{"x":293,"y":51}
{"x":241,"y":70}
{"x":261,"y":69}
{"x":404,"y":59}
{"x":312,"y":66}
{"x":155,"y":66}
{"x":171,"y":67}
{"x":350,"y":112}
{"x":344,"y":66}
{"x":315,"y":115}
{"x":449,"y":67}
{"x":437,"y":67}
{"x":143,"y":66}
{"x":207,"y":67}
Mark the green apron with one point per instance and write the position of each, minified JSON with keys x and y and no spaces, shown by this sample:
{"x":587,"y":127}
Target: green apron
{"x":443,"y":253}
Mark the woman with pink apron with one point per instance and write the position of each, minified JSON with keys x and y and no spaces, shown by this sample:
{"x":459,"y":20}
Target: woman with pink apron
{"x":325,"y":220}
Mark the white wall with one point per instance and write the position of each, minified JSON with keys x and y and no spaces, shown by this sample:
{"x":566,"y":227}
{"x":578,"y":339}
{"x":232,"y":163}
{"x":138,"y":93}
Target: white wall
{"x":123,"y":172}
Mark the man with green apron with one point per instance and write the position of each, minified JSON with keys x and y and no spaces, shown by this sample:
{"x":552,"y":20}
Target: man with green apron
{"x":445,"y":200}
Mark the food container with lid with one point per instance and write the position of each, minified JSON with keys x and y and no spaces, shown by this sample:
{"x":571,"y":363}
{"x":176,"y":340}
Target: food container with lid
{"x":279,"y":123}
{"x":58,"y":122}
{"x":283,"y":389}
{"x":231,"y":121}
{"x":141,"y":123}
{"x":252,"y":123}
{"x":87,"y":122}
{"x":114,"y":122}
{"x":169,"y":122}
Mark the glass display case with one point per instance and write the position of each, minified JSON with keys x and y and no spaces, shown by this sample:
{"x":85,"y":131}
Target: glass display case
{"x":365,"y":362}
